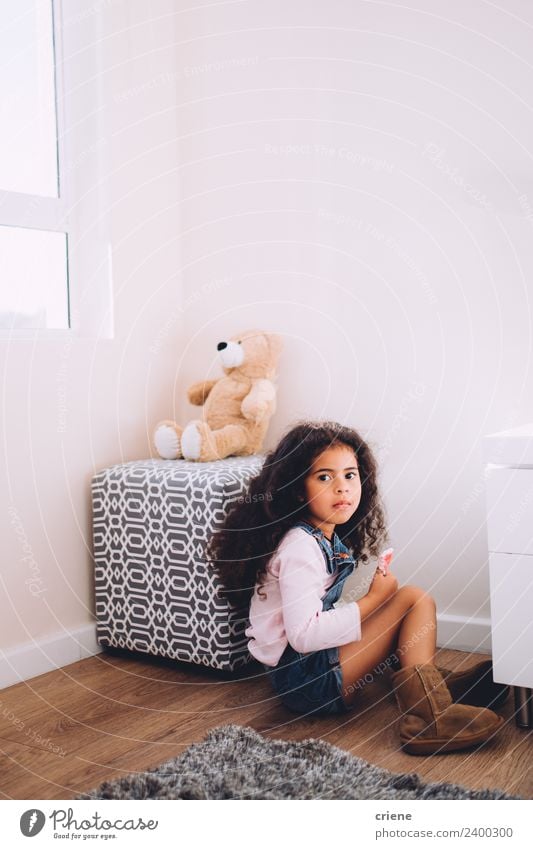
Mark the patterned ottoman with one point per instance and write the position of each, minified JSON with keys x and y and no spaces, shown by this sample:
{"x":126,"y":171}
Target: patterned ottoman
{"x":154,"y":593}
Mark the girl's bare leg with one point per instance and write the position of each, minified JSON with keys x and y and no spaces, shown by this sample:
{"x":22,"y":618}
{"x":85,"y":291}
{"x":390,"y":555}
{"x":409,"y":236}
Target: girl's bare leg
{"x":405,"y":621}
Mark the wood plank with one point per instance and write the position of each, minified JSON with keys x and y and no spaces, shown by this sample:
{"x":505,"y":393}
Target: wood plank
{"x":112,"y":715}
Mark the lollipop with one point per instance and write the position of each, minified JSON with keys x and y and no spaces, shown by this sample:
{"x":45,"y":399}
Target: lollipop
{"x":384,"y":560}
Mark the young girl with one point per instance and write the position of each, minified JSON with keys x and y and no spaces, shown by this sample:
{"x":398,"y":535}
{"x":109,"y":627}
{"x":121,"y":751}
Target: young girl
{"x":311,"y":515}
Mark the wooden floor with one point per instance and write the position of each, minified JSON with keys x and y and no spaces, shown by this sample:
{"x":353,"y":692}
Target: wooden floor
{"x":65,"y":732}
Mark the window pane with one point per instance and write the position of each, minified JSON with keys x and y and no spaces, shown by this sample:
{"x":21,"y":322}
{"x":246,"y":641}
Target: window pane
{"x":33,"y":279}
{"x":28,"y":143}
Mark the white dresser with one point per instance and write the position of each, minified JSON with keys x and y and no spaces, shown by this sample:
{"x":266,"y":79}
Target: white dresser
{"x":509,"y":490}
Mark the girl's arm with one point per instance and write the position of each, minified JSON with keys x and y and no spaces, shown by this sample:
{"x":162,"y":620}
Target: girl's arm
{"x":301,"y":583}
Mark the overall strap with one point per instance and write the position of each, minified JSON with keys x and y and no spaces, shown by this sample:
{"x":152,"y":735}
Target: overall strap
{"x":307,"y":526}
{"x":325,"y":546}
{"x":341,"y":551}
{"x":335,"y":552}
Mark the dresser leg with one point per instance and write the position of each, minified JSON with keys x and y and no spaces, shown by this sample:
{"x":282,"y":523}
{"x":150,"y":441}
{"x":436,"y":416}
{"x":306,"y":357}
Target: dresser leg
{"x":523,"y":703}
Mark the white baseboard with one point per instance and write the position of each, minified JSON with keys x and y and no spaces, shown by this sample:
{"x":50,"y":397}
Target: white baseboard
{"x":464,"y":634}
{"x":25,"y":661}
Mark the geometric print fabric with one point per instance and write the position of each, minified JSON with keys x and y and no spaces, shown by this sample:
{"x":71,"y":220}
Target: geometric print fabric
{"x":153,"y":591}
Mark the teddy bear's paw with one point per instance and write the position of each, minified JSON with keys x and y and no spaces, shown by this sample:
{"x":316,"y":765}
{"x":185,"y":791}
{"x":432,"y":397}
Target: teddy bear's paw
{"x":167,"y":442}
{"x":255,"y":413}
{"x":191,"y":442}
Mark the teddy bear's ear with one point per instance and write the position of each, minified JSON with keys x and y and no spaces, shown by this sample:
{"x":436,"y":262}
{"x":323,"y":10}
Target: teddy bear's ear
{"x":275,"y":342}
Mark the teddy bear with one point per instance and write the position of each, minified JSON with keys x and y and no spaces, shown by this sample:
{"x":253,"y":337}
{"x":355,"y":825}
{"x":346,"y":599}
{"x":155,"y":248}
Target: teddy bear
{"x":236,"y":408}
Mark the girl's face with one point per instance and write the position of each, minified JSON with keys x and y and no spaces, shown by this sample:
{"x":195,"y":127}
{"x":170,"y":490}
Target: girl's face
{"x":333,"y":488}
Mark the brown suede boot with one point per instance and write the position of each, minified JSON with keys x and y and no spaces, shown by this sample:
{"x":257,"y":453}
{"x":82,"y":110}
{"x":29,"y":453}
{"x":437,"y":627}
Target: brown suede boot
{"x":475,"y":686}
{"x":431,"y":723}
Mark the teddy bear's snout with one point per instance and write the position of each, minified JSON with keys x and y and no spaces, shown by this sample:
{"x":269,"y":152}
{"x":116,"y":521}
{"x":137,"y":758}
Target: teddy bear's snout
{"x":231,"y":354}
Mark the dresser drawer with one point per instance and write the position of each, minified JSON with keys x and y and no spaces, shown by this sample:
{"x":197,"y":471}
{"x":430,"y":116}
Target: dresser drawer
{"x":511,"y":608}
{"x":510,"y":510}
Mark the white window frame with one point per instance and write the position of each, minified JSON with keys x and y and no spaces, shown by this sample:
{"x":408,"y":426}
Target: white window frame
{"x":83,"y":215}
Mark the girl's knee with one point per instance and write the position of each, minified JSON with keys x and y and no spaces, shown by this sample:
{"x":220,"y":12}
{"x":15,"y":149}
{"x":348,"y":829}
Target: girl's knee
{"x":416,"y":595}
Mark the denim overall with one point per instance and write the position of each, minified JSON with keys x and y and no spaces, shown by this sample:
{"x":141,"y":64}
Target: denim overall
{"x":312,"y":682}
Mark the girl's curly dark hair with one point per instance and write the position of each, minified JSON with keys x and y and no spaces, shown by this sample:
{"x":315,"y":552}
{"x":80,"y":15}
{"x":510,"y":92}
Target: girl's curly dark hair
{"x":240,"y":550}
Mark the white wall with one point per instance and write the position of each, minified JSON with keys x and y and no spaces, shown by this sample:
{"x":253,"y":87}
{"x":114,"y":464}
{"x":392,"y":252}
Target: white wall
{"x":74,"y":406}
{"x":357,"y":176}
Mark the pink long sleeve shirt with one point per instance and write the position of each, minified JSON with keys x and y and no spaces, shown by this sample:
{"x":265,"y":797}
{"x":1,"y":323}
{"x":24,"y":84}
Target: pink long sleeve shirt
{"x":296,"y":582}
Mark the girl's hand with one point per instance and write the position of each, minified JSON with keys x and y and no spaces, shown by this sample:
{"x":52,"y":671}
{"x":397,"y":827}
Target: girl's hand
{"x":382,"y":587}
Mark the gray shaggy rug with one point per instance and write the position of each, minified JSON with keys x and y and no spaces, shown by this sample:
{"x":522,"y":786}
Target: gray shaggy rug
{"x":235,"y":762}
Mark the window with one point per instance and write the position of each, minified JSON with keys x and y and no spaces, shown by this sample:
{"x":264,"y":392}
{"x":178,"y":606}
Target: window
{"x":54,"y":250}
